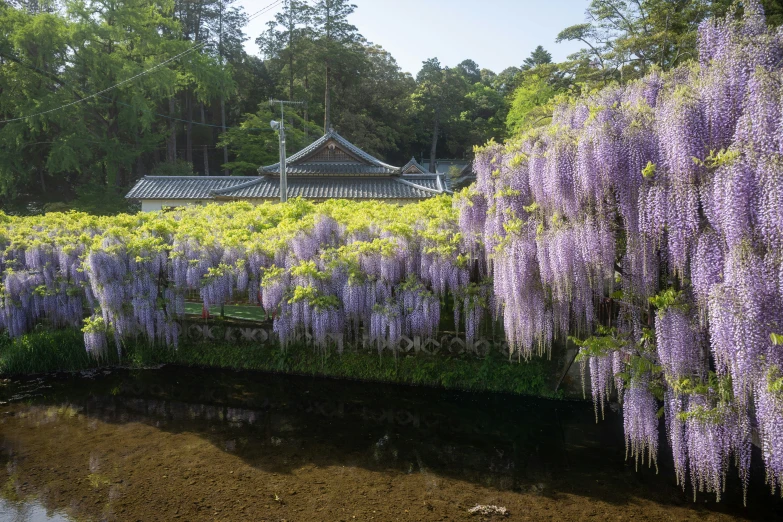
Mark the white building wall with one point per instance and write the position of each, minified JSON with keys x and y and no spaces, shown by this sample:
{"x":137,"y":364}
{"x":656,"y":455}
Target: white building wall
{"x":154,"y":205}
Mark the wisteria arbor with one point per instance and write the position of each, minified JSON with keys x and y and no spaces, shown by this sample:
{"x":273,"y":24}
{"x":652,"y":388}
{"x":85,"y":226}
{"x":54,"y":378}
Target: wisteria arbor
{"x":357,"y":269}
{"x":647,"y":222}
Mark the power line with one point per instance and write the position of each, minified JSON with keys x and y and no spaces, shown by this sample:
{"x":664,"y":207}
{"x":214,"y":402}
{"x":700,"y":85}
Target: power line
{"x":142,"y":109}
{"x":139,"y":75}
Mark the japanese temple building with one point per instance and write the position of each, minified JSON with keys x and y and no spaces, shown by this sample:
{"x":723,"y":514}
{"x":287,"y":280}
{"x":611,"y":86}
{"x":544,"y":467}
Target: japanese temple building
{"x":329,"y":168}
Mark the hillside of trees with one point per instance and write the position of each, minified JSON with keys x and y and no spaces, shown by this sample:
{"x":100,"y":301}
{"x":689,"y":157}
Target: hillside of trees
{"x":72,"y":138}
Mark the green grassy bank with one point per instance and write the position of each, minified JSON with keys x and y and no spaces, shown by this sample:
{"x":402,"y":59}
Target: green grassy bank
{"x":46,"y":350}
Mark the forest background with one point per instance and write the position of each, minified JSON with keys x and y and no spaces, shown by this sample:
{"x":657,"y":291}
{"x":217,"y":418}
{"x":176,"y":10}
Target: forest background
{"x":68,"y":140}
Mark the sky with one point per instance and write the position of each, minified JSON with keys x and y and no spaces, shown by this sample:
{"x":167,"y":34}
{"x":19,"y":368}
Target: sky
{"x":494,"y":33}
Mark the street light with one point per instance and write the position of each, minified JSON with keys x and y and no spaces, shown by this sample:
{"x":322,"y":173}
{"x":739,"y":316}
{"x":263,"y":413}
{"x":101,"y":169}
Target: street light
{"x":280,"y":126}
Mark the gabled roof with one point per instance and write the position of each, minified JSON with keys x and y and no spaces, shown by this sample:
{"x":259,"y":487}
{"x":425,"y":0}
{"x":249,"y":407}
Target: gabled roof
{"x":413,"y":167}
{"x":310,"y":161}
{"x":330,"y":167}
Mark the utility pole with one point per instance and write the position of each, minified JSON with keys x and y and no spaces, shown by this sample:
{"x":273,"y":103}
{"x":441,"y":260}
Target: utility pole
{"x":222,"y":90}
{"x":280,"y":127}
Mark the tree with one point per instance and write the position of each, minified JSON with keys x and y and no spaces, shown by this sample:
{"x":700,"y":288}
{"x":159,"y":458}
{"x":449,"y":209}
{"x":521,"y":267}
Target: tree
{"x":539,"y":56}
{"x":774,"y":11}
{"x":255,"y":144}
{"x":438,"y":97}
{"x":286,"y":43}
{"x":483,"y":118}
{"x":624,"y":39}
{"x":530,"y":105}
{"x":470,"y":71}
{"x":334,"y":34}
{"x":505,"y":82}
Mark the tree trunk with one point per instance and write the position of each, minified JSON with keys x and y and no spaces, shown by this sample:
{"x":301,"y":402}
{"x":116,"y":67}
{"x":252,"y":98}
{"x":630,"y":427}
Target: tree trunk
{"x":327,"y":101}
{"x":206,"y":147}
{"x":226,"y":172}
{"x":290,"y":73}
{"x":434,"y":146}
{"x":307,"y":98}
{"x":139,"y":166}
{"x":172,"y":145}
{"x":189,"y":133}
{"x":41,"y":178}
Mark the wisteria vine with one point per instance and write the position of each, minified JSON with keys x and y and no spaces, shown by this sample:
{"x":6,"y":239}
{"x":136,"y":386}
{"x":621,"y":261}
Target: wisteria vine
{"x":646,"y":221}
{"x":327,"y":274}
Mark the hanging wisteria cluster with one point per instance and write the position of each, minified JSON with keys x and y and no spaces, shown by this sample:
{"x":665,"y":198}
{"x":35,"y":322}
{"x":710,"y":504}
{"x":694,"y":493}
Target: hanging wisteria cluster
{"x":364,"y":273}
{"x":647,"y":222}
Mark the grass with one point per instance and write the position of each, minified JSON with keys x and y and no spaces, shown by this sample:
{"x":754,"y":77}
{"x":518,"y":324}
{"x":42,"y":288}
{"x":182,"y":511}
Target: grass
{"x":244,"y":312}
{"x":46,"y":350}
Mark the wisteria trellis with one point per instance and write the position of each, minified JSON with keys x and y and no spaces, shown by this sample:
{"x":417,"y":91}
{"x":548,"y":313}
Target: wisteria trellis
{"x":337,"y":267}
{"x":647,"y":220}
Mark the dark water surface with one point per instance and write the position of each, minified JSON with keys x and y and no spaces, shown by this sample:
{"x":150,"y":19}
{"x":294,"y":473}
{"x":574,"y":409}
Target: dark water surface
{"x":191,"y":444}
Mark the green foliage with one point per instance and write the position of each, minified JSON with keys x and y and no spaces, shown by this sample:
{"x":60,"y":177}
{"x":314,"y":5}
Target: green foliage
{"x":600,"y":345}
{"x":178,"y":168}
{"x":649,"y":170}
{"x":625,"y":40}
{"x":63,"y":350}
{"x":94,"y":325}
{"x":669,"y":298}
{"x":46,"y":351}
{"x":539,"y":56}
{"x":99,"y":200}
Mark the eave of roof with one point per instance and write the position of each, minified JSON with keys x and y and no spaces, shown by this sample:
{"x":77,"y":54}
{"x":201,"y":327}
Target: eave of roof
{"x":184,"y":187}
{"x":267,"y":187}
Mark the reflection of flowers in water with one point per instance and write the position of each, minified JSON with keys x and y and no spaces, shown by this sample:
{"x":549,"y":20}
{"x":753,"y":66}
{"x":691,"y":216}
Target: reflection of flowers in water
{"x":382,"y":448}
{"x":276,"y":441}
{"x":231,"y":445}
{"x":488,"y":510}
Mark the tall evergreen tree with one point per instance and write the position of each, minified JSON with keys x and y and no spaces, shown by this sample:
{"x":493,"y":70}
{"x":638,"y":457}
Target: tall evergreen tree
{"x":539,"y":56}
{"x":438,"y":97}
{"x":334,"y":33}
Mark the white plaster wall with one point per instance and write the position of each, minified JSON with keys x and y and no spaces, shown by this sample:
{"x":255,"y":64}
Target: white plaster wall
{"x":154,"y":205}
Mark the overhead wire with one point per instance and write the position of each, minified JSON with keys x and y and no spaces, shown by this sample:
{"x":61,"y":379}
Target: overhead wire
{"x":139,"y":75}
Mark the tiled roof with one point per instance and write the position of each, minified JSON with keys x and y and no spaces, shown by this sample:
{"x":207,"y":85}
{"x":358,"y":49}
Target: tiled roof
{"x":332,"y":188}
{"x":184,"y":187}
{"x":373,"y":165}
{"x":335,"y":169}
{"x":413,"y":165}
{"x":267,"y":187}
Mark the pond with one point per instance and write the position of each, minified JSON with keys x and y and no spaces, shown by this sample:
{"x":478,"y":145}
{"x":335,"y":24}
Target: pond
{"x":194,"y":444}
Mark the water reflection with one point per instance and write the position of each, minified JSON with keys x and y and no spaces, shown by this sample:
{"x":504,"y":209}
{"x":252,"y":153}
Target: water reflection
{"x":199,"y":444}
{"x":28,"y":511}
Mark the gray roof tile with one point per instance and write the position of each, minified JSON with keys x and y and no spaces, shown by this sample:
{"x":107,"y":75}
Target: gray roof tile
{"x":333,"y":188}
{"x":184,"y":187}
{"x":267,"y":187}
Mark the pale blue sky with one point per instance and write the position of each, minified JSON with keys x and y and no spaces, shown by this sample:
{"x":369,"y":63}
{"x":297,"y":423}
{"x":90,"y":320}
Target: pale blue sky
{"x":494,"y":33}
